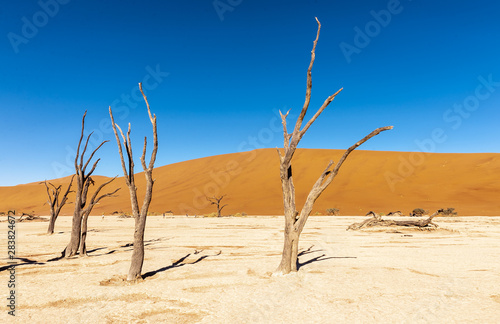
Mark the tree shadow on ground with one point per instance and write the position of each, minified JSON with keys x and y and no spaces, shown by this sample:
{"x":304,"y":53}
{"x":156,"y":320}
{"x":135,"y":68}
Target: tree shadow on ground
{"x":121,"y":248}
{"x":96,"y":249}
{"x":319,"y":258}
{"x":124,"y":247}
{"x":179,"y":263}
{"x":25,"y":262}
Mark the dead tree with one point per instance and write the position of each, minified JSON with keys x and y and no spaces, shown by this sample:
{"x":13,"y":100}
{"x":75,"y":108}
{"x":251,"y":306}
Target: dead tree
{"x":83,"y":207}
{"x":217,"y":202}
{"x":139,"y":215}
{"x":28,"y":217}
{"x":54,"y":202}
{"x":332,"y":211}
{"x":94,"y":200}
{"x":295,"y":221}
{"x":376,"y":220}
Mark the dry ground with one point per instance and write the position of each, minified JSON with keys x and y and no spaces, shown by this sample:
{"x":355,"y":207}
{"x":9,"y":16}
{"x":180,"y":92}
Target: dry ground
{"x":209,"y":270}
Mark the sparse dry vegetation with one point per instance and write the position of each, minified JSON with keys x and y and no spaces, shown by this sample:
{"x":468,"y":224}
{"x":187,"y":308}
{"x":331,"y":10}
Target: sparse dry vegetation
{"x":449,"y":212}
{"x":419,"y":212}
{"x":332,"y":211}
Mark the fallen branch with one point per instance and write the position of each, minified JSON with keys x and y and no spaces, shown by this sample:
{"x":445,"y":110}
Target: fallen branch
{"x":377,"y":220}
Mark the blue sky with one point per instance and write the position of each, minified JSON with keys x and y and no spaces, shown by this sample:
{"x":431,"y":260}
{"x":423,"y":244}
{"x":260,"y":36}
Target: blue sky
{"x":218,"y":71}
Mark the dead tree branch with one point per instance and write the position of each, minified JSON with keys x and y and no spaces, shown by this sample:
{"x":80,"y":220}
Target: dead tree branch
{"x":376,"y":220}
{"x":295,"y":221}
{"x":139,"y":215}
{"x":77,"y":243}
{"x":55,"y":204}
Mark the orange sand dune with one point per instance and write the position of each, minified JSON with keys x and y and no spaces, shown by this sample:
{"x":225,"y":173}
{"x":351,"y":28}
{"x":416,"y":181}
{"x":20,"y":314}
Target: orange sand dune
{"x":369,"y":180}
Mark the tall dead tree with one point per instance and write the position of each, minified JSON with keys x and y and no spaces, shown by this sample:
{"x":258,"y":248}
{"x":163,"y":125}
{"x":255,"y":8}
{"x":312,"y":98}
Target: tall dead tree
{"x":217,"y":202}
{"x":55,"y":204}
{"x":83,"y":207}
{"x":139,"y":215}
{"x":295,"y":221}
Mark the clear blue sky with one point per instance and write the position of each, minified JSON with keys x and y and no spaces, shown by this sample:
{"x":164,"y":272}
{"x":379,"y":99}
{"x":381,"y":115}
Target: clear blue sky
{"x":218,"y":72}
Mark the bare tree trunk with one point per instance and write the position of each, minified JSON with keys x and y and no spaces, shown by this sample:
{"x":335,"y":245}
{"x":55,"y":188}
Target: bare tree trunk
{"x":289,"y":259}
{"x":137,"y":259}
{"x":74,"y":242}
{"x":54,"y":203}
{"x":83,"y":207}
{"x":295,"y":221}
{"x":86,"y":213}
{"x":52,"y":221}
{"x":294,"y":262}
{"x":83,"y":239}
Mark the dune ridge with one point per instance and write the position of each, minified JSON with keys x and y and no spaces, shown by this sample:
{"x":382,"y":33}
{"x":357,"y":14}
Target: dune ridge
{"x":369,"y":180}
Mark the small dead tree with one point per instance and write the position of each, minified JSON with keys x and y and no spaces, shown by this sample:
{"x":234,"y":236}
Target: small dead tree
{"x":295,"y":221}
{"x":29,"y":217}
{"x":139,"y":215}
{"x":332,"y":211}
{"x":217,"y":202}
{"x":55,"y":204}
{"x":83,"y":206}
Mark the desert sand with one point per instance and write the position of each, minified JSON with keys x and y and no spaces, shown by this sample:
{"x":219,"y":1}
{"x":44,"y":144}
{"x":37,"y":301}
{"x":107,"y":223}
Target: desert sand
{"x":218,"y":270}
{"x":369,"y":180}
